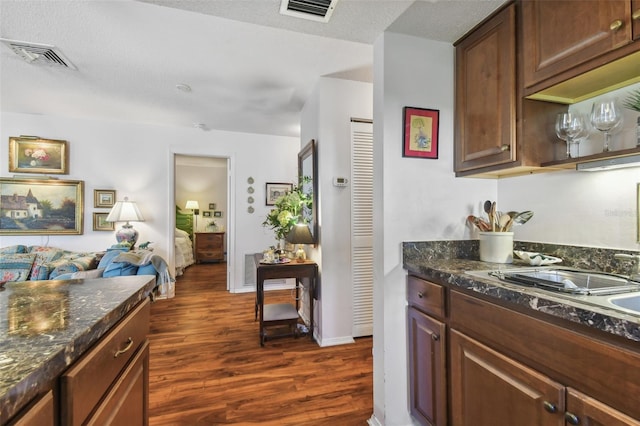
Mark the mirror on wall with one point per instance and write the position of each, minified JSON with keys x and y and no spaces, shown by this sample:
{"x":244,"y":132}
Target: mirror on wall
{"x":308,"y":167}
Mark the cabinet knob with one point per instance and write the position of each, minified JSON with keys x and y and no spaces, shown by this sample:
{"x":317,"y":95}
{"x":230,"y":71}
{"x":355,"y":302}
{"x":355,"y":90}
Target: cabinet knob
{"x":636,"y":15}
{"x":571,"y":418}
{"x":505,"y":147}
{"x":550,"y":407}
{"x":435,"y":337}
{"x":615,"y":25}
{"x":420,"y":295}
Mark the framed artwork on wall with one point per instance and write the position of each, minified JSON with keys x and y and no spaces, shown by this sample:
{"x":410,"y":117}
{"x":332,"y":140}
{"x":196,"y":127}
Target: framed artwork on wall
{"x":212,"y":206}
{"x":217,"y":214}
{"x":420,"y":133}
{"x":206,"y":213}
{"x":41,"y":207}
{"x":275,"y":191}
{"x":31,"y":154}
{"x":104,"y":198}
{"x":100,"y":222}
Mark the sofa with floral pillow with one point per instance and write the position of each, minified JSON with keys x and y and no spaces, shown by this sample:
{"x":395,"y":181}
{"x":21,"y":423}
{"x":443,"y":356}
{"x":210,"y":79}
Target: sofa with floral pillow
{"x":22,"y":263}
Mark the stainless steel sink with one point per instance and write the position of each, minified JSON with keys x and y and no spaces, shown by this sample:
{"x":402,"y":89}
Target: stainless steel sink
{"x":629,"y":302}
{"x":565,"y":280}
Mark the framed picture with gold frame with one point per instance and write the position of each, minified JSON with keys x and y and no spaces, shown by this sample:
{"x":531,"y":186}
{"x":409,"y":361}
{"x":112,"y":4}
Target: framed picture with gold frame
{"x":31,"y":154}
{"x":104,"y":198}
{"x":41,"y":206}
{"x":100,"y":222}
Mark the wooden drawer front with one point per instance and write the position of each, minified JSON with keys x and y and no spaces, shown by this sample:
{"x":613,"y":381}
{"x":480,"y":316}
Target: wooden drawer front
{"x":84,"y":384}
{"x":127,"y":402}
{"x":426,"y":296}
{"x":38,"y":414}
{"x":597,"y":368}
{"x":208,"y":241}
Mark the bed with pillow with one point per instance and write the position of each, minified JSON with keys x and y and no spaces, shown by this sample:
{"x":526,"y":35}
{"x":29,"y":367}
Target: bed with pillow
{"x":184,"y":251}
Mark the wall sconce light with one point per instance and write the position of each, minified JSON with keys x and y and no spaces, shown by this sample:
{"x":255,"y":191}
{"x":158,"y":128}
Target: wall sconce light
{"x":126,"y":211}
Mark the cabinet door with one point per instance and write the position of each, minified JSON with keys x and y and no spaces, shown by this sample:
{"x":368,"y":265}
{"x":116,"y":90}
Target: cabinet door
{"x":427,"y":348}
{"x":584,"y":410}
{"x":635,"y":16}
{"x":40,"y":413}
{"x":488,"y":388}
{"x":486,"y":94}
{"x":127,"y":402}
{"x":558,"y":35}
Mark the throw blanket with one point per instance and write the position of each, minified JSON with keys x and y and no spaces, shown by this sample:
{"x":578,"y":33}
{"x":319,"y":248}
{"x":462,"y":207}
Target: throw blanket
{"x":165,"y":283}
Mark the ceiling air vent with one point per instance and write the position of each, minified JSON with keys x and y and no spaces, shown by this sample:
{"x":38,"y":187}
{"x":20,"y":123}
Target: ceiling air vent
{"x":38,"y":54}
{"x":313,"y":10}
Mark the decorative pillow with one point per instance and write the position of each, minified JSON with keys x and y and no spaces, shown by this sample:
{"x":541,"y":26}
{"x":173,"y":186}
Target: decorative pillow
{"x":44,"y":255}
{"x":93,"y":273}
{"x":120,"y":269}
{"x":72,"y":265}
{"x":16,"y":267}
{"x":109,"y":256}
{"x":147,"y":269}
{"x":13,"y":249}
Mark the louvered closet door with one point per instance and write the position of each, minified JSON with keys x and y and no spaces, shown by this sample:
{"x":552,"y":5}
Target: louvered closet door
{"x":362,"y":226}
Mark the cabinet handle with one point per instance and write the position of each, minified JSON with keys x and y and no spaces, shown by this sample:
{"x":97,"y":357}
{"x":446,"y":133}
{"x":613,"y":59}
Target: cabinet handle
{"x":615,"y":25}
{"x":435,"y":337}
{"x":126,"y":348}
{"x":420,"y":295}
{"x":636,"y":15}
{"x":571,"y":418}
{"x":505,"y":147}
{"x":550,"y":407}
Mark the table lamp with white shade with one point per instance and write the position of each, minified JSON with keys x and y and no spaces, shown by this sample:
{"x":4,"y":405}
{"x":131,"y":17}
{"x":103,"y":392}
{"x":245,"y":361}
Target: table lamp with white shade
{"x":126,"y":211}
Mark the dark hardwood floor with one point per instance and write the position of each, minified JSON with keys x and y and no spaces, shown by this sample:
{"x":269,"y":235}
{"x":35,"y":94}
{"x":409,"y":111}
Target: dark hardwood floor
{"x":207,"y":366}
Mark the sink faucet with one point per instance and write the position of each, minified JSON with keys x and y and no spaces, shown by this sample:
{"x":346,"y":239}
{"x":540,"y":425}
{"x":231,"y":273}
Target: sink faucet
{"x":635,"y":262}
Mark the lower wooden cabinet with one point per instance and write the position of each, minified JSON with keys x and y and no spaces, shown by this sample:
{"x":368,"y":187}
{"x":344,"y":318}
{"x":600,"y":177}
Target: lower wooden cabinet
{"x":209,"y":247}
{"x":110,"y":382}
{"x":473,"y":362}
{"x":39,"y":413}
{"x":427,"y":360}
{"x":489,"y":388}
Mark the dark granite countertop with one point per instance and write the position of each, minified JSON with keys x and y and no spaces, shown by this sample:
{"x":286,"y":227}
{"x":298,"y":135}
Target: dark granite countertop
{"x":46,"y":325}
{"x":448,"y":262}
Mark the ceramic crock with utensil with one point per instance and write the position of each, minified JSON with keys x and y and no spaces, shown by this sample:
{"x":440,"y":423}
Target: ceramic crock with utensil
{"x":496,"y":247}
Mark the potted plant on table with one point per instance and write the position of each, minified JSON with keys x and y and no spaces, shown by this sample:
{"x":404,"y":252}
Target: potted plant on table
{"x":287,"y":211}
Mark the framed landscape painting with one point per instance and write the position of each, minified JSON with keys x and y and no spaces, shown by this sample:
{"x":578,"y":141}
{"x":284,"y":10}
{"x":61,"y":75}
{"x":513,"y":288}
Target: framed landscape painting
{"x":276,"y":190}
{"x":41,"y":207}
{"x":30,"y":154}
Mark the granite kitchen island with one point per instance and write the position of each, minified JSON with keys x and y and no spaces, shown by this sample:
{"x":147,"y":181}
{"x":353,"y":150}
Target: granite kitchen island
{"x":47,"y":326}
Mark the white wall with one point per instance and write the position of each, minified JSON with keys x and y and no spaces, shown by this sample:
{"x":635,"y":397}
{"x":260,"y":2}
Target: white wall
{"x":415,"y":199}
{"x":137,"y":161}
{"x":327,"y":119}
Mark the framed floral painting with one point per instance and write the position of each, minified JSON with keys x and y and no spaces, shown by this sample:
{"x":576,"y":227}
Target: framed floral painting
{"x":41,"y":206}
{"x":31,"y":154}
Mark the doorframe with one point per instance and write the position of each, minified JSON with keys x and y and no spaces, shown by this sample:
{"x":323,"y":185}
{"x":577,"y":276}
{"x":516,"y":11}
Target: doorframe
{"x":230,"y":227}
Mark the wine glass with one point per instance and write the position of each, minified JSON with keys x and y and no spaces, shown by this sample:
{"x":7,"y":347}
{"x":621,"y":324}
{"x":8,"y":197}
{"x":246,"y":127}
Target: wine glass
{"x":570,"y":128}
{"x":605,"y":116}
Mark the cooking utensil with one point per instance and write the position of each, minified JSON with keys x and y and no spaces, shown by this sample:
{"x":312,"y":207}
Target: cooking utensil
{"x":492,"y":218}
{"x":503,"y":221}
{"x":479,"y":223}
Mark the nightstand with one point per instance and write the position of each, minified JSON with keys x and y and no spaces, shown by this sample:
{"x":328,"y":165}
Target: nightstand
{"x":209,"y":247}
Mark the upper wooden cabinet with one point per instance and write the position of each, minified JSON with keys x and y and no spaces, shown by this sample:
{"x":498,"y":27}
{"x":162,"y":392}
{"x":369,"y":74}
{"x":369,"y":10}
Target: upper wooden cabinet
{"x":486,"y":94}
{"x":635,"y":16}
{"x":492,"y":138}
{"x":558,"y":35}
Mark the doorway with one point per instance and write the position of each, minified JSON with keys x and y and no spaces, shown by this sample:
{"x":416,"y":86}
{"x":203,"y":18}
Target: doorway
{"x":205,"y":181}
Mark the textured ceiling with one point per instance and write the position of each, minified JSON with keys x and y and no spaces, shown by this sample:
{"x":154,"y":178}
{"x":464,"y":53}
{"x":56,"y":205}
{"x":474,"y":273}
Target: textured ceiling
{"x":250,"y":68}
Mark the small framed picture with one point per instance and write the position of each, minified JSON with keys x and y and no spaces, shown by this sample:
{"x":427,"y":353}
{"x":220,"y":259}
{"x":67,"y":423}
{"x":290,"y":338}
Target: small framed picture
{"x":212,"y":206}
{"x":275,"y":191}
{"x":100,"y":222}
{"x":420,"y":132}
{"x":206,"y":213}
{"x":217,"y":214}
{"x":104,"y":198}
{"x":31,"y":154}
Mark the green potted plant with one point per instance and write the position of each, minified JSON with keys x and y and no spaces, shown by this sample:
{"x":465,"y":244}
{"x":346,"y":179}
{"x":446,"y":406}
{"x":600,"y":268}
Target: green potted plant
{"x":287,"y":210}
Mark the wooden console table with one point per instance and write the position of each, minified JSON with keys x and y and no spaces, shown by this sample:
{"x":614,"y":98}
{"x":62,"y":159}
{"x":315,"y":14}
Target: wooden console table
{"x":283,"y":313}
